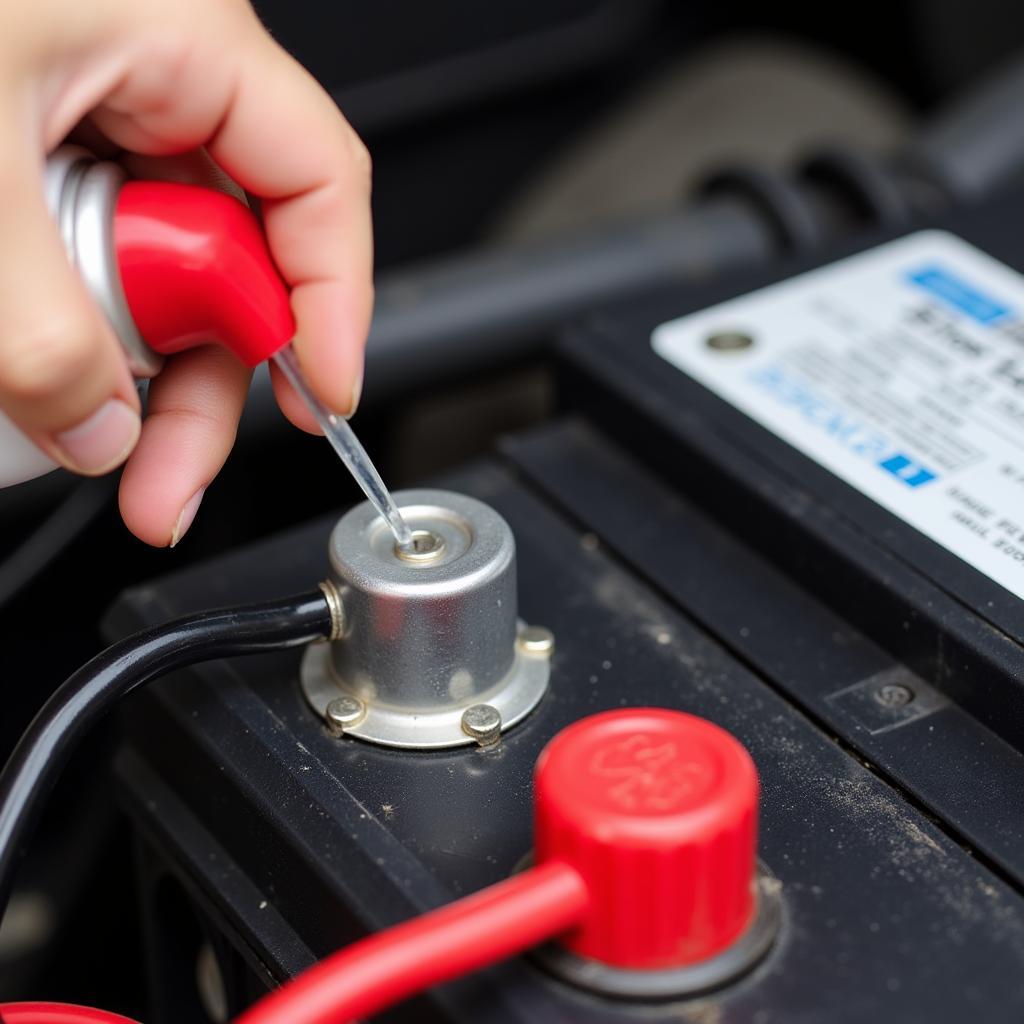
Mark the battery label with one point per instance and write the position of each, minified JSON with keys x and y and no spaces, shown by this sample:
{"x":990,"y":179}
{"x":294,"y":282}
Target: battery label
{"x":900,"y":370}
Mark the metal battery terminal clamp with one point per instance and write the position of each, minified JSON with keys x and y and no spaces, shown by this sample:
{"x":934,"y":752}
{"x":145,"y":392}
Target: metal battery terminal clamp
{"x":431,"y":652}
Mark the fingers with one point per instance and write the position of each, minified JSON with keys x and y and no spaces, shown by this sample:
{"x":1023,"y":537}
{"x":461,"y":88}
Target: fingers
{"x":63,"y":379}
{"x":194,"y":408}
{"x":317,"y":217}
{"x":274,"y":130}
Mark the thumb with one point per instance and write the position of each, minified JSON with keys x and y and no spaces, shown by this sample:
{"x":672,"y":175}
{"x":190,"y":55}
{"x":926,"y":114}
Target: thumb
{"x":63,"y":378}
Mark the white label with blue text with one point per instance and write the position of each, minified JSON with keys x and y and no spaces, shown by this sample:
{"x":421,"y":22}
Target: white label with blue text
{"x":901,"y":370}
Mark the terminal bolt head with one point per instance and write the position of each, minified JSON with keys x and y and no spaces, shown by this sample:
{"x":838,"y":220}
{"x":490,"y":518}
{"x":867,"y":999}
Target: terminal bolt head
{"x":483,"y":723}
{"x":426,"y":546}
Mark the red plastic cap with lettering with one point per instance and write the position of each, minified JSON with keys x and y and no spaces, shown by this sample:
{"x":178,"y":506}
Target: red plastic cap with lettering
{"x":196,"y":269}
{"x":657,"y":811}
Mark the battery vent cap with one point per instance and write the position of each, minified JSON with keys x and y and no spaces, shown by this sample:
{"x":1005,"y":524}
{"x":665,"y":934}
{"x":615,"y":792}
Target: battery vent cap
{"x":657,"y":811}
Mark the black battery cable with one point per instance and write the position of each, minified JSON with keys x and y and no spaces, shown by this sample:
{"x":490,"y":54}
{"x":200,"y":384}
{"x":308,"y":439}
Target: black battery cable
{"x":44,"y":748}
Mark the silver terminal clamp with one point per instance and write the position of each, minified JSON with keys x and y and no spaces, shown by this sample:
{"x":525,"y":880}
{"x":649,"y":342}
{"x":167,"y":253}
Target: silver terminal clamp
{"x":430,"y":652}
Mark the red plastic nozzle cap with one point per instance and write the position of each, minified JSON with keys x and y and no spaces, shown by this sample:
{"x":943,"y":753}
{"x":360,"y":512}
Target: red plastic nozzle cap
{"x":196,"y":269}
{"x":657,"y":811}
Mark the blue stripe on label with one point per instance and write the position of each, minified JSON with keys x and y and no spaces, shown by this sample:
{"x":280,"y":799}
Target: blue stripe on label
{"x":956,"y":292}
{"x":912,"y":473}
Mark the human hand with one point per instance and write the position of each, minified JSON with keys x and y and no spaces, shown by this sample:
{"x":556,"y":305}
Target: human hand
{"x":153,"y":78}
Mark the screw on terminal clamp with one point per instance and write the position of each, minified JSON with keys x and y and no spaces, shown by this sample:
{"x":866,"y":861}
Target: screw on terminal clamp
{"x":482,"y":723}
{"x":342,"y":713}
{"x":427,"y":649}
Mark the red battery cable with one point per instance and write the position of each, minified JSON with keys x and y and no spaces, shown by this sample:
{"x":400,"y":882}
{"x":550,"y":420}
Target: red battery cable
{"x":447,"y":943}
{"x":57,"y":1013}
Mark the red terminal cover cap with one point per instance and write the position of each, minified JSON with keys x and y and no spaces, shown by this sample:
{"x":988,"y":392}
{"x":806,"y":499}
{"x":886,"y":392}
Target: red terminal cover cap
{"x":657,"y":811}
{"x":196,"y":269}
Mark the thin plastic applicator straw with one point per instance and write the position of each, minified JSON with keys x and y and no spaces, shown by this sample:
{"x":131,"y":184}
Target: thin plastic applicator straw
{"x":346,"y":444}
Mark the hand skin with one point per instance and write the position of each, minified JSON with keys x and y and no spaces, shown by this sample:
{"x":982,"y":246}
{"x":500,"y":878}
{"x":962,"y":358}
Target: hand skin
{"x":156,"y":78}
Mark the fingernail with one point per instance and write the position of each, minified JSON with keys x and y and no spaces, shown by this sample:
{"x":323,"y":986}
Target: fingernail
{"x":186,"y":515}
{"x":357,"y":393}
{"x":101,"y":442}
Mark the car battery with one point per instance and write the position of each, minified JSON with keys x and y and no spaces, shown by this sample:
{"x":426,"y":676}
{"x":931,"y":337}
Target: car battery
{"x":788,"y":509}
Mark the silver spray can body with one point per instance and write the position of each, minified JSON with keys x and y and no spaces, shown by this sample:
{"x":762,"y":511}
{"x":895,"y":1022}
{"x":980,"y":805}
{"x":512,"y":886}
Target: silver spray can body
{"x":81,"y":193}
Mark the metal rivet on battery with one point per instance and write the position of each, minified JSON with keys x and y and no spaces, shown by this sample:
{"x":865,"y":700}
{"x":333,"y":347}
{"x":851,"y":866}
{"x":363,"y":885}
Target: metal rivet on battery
{"x":728,"y":341}
{"x":342,"y":712}
{"x":483,"y":723}
{"x":894,"y":695}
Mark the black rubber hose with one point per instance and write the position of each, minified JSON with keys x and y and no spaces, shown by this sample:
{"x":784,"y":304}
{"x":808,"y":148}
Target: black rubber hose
{"x":976,"y":145}
{"x":475,"y":313}
{"x":479,"y":311}
{"x":44,"y":749}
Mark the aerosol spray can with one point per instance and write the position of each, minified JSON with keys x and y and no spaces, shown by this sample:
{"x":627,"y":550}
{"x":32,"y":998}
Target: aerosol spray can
{"x":170,"y":266}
